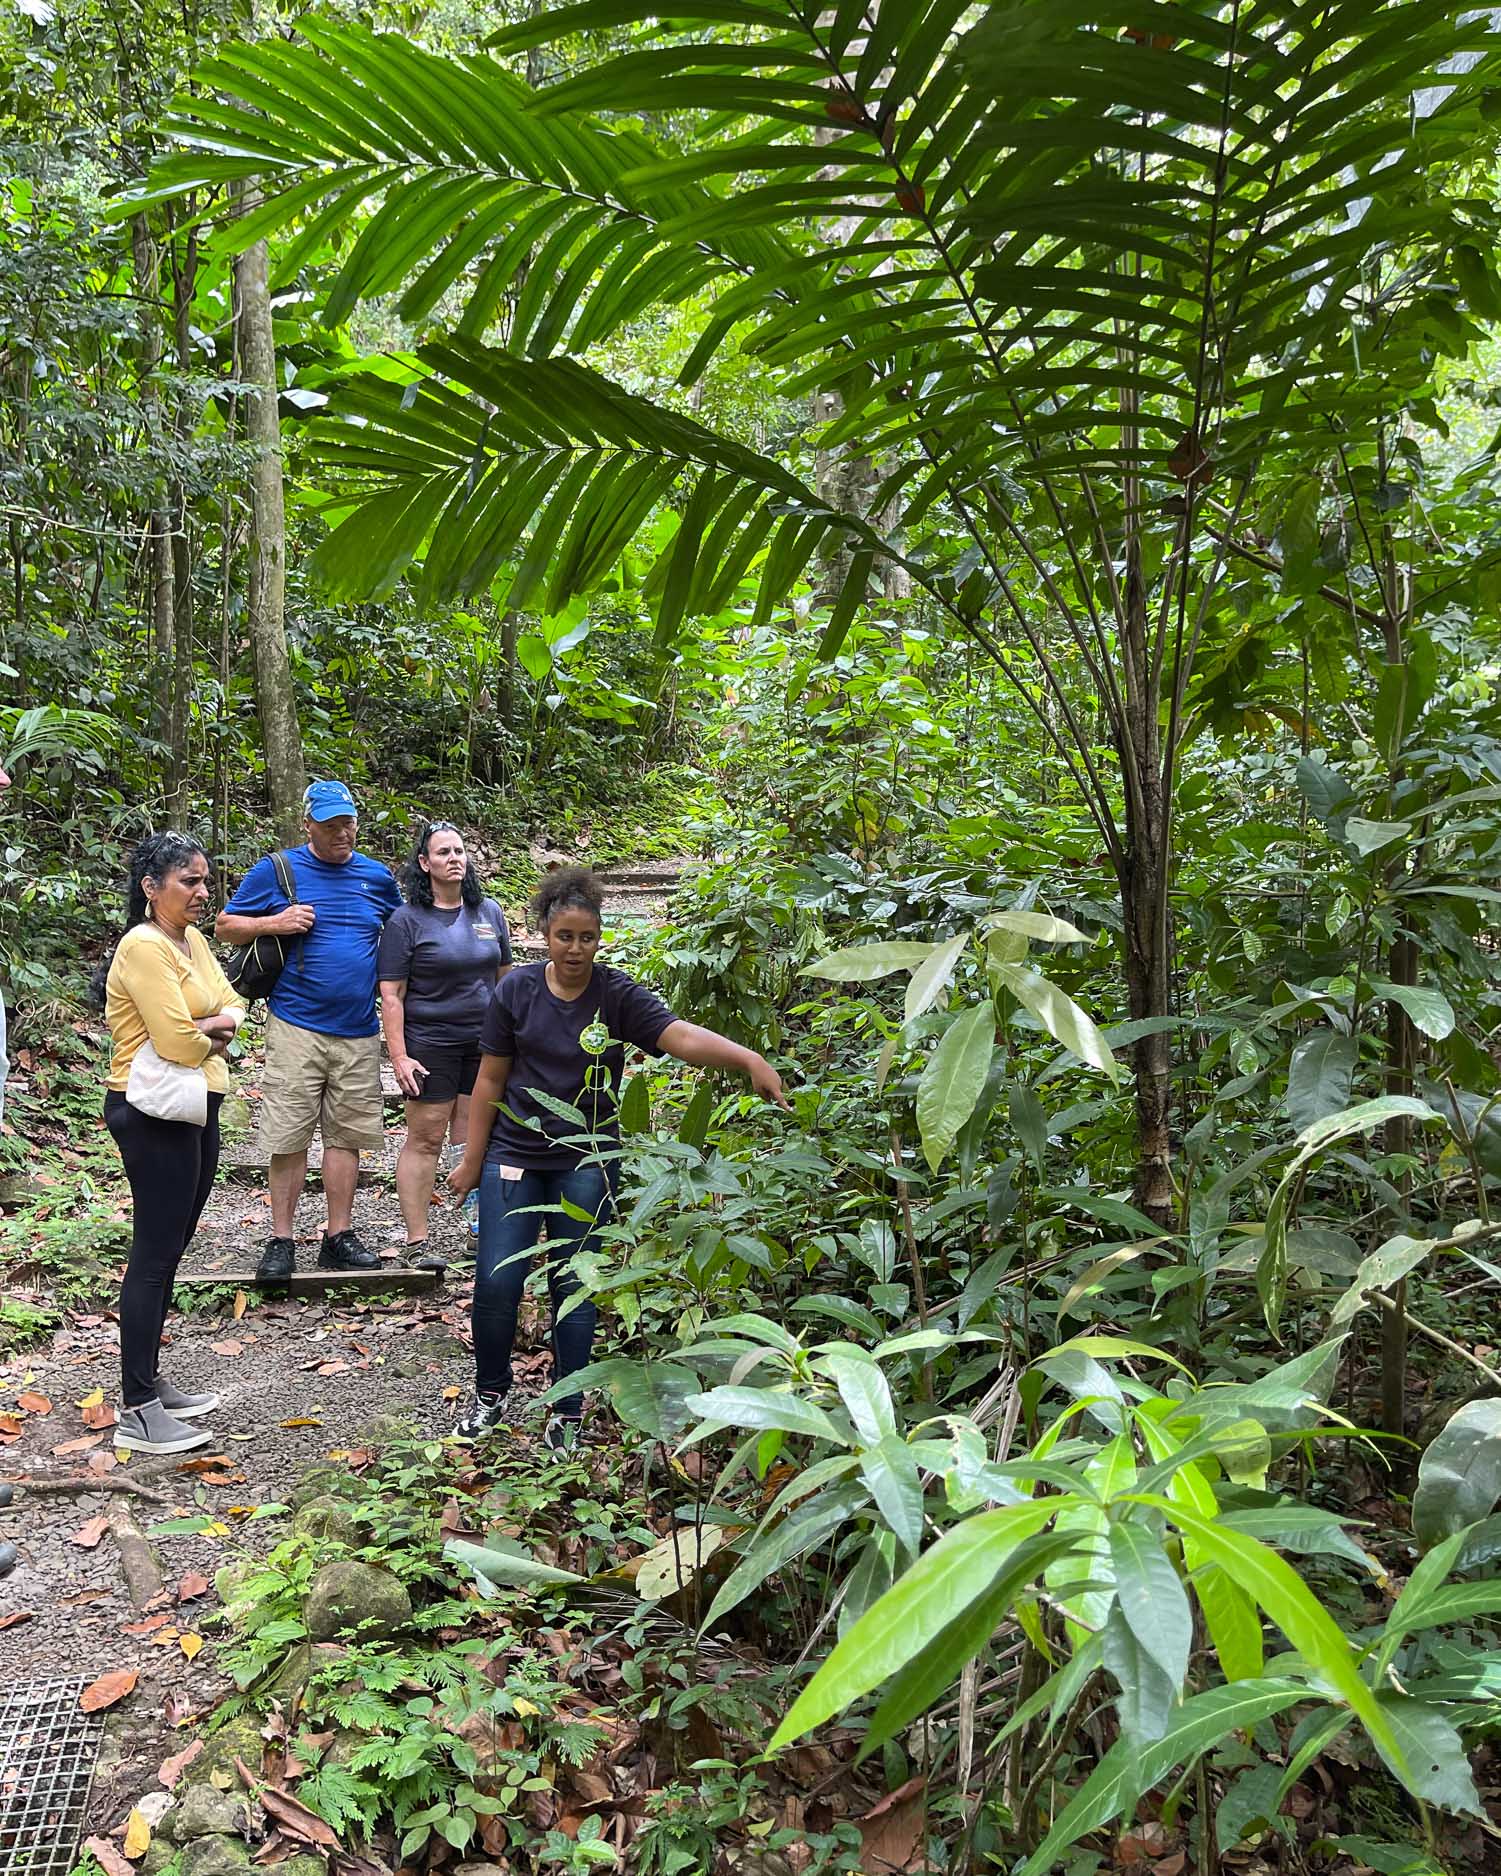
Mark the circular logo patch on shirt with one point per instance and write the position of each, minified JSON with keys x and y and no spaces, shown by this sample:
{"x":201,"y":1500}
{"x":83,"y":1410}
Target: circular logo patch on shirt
{"x":595,"y":1038}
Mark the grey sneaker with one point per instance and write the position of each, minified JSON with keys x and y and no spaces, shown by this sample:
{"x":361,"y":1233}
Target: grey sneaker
{"x":149,"y":1428}
{"x":484,"y":1414}
{"x":185,"y":1406}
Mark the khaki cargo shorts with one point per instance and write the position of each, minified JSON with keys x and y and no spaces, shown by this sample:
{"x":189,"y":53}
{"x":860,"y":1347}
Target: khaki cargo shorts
{"x":320,"y":1084}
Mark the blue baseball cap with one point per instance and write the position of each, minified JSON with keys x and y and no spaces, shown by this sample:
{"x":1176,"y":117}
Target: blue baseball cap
{"x":326,"y":801}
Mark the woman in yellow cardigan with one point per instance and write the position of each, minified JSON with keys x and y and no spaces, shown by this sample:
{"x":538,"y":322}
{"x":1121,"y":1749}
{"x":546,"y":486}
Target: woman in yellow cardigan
{"x":164,"y":986}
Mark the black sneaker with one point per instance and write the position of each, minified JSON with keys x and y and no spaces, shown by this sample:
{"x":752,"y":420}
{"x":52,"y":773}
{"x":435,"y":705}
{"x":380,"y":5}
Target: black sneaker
{"x":343,"y":1251}
{"x":278,"y":1261}
{"x":484,"y":1414}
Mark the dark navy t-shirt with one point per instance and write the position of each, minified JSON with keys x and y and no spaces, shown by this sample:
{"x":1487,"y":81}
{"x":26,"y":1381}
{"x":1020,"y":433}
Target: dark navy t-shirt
{"x":328,"y":981}
{"x":574,"y":1051}
{"x":448,"y":957}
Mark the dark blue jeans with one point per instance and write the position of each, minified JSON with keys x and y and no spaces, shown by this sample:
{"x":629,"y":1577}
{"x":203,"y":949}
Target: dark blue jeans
{"x":508,"y":1232}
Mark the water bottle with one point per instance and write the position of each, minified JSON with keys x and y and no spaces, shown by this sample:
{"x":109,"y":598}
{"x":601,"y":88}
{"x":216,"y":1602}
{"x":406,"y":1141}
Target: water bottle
{"x":471,"y":1207}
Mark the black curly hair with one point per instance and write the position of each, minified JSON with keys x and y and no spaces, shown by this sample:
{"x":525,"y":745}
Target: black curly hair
{"x":418,"y":885}
{"x":155,"y":856}
{"x":570,"y":888}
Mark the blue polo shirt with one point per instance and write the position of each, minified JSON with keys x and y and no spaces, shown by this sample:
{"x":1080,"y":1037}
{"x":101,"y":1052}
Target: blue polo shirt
{"x":328,"y":983}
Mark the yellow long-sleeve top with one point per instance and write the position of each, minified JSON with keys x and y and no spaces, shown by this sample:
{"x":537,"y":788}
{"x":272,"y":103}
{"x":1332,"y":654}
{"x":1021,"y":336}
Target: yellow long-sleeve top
{"x":154,"y":992}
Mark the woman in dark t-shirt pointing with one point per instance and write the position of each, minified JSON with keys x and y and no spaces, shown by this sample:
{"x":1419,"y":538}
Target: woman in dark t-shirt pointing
{"x":557,"y":1033}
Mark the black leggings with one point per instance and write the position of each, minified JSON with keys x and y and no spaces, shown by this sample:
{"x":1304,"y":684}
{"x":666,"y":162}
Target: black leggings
{"x":171,"y":1167}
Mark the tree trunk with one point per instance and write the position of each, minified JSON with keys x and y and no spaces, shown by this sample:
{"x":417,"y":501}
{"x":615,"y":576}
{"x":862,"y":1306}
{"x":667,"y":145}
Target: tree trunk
{"x":159,"y":562}
{"x":281,"y":733}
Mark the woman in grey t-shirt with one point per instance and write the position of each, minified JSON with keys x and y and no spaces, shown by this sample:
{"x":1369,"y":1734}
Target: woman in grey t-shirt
{"x":441,"y":955}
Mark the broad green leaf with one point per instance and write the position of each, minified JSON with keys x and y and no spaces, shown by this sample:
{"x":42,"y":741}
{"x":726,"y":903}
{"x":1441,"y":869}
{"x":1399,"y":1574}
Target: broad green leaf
{"x":865,"y":1393}
{"x":931,"y":977}
{"x":952,"y":1080}
{"x":1145,"y":1695}
{"x":1040,"y":925}
{"x":1060,"y":1016}
{"x":1030,"y":1120}
{"x":1291,"y":1604}
{"x":1429,"y":1757}
{"x":863,"y":964}
{"x":914,"y":1688}
{"x":1319,"y":1076}
{"x":936,"y":1591}
{"x":502,"y":1565}
{"x":1459,"y":1475}
{"x":764,"y":1410}
{"x":1151,"y":1598}
{"x":634,"y":1112}
{"x":1370,"y":836}
{"x":890,"y":1473}
{"x":1386,"y":1265}
{"x":1430,"y":1010}
{"x":1203,"y":1721}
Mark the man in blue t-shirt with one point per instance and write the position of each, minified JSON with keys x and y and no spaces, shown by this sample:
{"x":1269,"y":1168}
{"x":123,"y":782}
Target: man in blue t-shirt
{"x":322,"y":1035}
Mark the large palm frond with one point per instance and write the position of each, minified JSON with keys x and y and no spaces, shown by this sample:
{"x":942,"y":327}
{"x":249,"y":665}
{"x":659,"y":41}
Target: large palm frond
{"x":545,"y":465}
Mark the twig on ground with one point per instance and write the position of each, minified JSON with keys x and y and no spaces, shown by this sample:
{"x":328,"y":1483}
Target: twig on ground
{"x":83,"y":1484}
{"x":138,"y":1565}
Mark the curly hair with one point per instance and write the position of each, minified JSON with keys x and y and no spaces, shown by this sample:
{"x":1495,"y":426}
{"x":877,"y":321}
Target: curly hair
{"x":417,"y":885}
{"x":569,"y":889}
{"x":155,"y":856}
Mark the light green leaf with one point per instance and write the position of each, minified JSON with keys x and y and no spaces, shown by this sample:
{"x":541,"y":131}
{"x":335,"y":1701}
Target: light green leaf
{"x":863,"y":964}
{"x":952,"y":1080}
{"x":936,"y":1591}
{"x":1386,"y":1265}
{"x":1291,"y":1604}
{"x":865,"y":1393}
{"x":500,"y":1564}
{"x":1431,"y":1012}
{"x":890,"y":1473}
{"x":1060,"y":1016}
{"x":1429,"y":1756}
{"x":1370,"y":836}
{"x":1040,"y":925}
{"x":931,"y":978}
{"x":764,"y":1410}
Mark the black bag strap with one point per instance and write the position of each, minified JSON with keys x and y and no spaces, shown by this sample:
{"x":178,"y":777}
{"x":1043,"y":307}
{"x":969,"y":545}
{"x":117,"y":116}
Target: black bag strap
{"x":283,"y":865}
{"x":284,"y":877}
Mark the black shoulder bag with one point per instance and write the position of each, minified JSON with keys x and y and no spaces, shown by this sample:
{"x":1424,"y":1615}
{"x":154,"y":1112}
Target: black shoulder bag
{"x":254,"y":969}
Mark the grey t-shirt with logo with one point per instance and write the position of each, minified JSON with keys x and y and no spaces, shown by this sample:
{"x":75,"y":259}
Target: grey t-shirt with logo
{"x":448,"y":957}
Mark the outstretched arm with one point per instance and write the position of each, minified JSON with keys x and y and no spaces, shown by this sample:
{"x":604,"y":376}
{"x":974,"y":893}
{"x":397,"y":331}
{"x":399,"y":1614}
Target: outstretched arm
{"x":706,"y":1048}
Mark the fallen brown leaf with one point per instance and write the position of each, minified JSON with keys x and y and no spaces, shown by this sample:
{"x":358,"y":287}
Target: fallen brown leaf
{"x":290,"y":1813}
{"x":241,"y":1302}
{"x":891,"y":1832}
{"x":88,"y":1535}
{"x":86,"y":1444}
{"x":148,"y":1627}
{"x":172,"y":1769}
{"x":15,"y":1618}
{"x":99,"y":1415}
{"x":10,"y":1426}
{"x":108,"y":1689}
{"x":210,"y":1462}
{"x":34,"y":1403}
{"x":192,"y":1585}
{"x":107,"y":1857}
{"x":227,"y":1348}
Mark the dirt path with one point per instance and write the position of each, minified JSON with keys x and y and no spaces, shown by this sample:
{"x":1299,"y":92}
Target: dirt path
{"x":298,"y":1380}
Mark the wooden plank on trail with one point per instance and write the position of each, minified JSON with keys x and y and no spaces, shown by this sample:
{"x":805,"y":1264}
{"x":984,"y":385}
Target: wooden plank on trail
{"x":403,"y":1279}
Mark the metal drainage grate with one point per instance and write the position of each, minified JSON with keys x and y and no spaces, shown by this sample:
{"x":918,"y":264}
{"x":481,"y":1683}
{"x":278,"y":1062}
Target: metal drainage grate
{"x":47,"y":1753}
